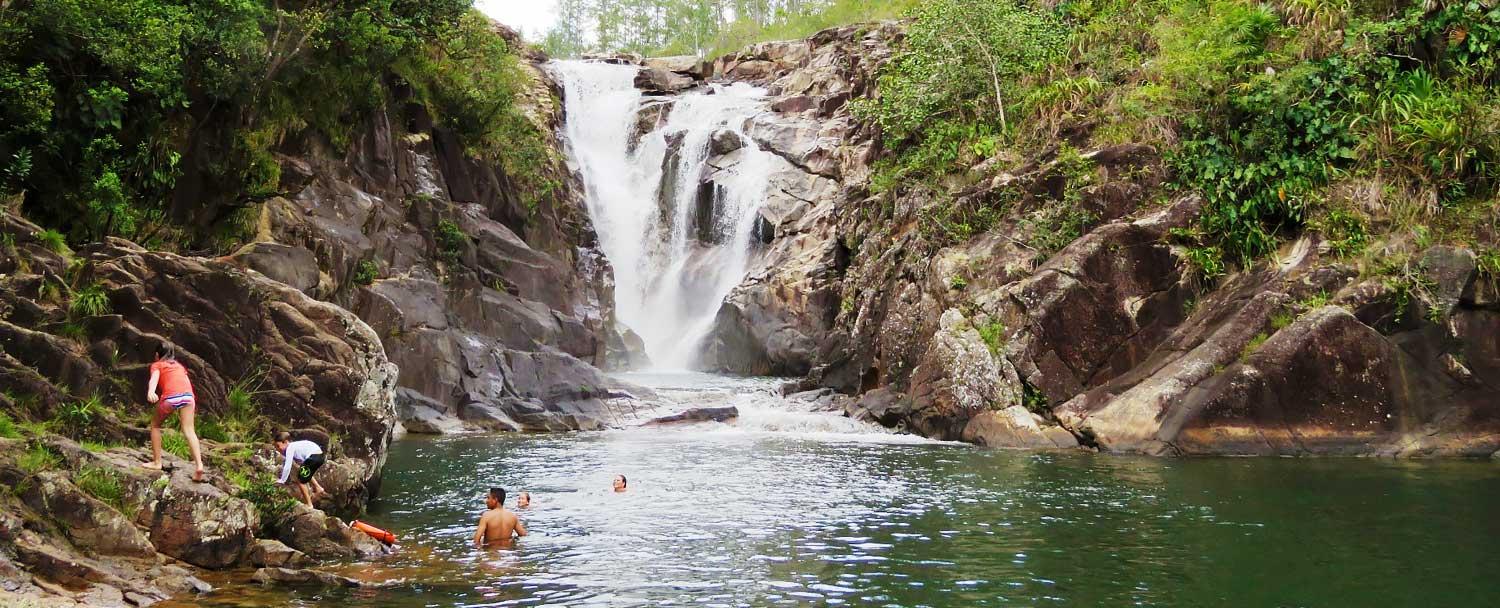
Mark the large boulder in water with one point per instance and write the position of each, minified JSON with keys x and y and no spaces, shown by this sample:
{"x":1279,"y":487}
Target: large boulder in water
{"x":321,"y":536}
{"x":686,"y":65}
{"x":654,"y":81}
{"x":697,"y":414}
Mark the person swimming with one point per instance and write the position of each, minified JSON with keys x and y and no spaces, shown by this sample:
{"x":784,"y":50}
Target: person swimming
{"x":620,"y":483}
{"x":524,"y":500}
{"x":497,"y":525}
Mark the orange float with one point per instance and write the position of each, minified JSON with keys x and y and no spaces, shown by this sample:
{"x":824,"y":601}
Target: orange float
{"x":374,"y":532}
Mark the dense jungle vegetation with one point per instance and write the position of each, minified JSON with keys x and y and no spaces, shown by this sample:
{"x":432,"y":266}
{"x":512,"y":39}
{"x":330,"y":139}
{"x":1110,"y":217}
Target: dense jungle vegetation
{"x":1347,"y":117}
{"x":157,"y":121}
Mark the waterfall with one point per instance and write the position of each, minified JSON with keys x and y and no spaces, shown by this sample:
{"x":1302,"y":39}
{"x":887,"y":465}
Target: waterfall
{"x":673,"y":186}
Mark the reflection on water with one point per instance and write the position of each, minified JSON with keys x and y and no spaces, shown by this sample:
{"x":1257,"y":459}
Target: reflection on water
{"x":723,"y":517}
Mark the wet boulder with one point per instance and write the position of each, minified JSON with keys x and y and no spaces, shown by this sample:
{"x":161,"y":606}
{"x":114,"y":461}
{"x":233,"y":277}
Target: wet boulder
{"x":198,"y":523}
{"x":654,"y":81}
{"x":959,"y":377}
{"x":725,"y":141}
{"x":491,"y":417}
{"x":324,"y":537}
{"x":686,"y":65}
{"x":697,"y":414}
{"x":1329,"y":384}
{"x":1015,"y":427}
{"x":651,"y":116}
{"x":275,"y":554}
{"x":423,"y":416}
{"x":298,"y":577}
{"x":703,"y":219}
{"x":626,"y":350}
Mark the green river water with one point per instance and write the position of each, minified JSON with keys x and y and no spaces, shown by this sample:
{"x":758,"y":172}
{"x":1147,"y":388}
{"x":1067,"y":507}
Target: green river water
{"x":797,"y":508}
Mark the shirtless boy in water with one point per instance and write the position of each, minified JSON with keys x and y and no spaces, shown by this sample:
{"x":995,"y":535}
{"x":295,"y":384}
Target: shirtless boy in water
{"x":497,"y":525}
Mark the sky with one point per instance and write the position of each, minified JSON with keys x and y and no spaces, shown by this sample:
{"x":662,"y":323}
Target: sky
{"x":531,"y":17}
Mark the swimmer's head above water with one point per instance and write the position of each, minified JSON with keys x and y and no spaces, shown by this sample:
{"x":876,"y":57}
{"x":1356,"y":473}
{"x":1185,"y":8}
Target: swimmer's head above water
{"x":495,"y":498}
{"x":619,"y":483}
{"x":524,"y":500}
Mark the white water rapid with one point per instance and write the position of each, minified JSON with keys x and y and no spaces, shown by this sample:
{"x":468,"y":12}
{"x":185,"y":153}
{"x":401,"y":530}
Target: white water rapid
{"x":679,"y":242}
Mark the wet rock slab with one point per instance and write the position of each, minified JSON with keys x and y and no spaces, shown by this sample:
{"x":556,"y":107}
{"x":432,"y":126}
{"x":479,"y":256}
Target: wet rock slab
{"x":697,"y":414}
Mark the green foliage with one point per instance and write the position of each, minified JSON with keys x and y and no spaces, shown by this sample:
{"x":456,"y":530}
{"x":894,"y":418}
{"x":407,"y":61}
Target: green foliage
{"x":700,"y":27}
{"x":105,"y":106}
{"x":241,"y":422}
{"x":1472,"y":32}
{"x":1253,"y":345}
{"x":946,"y":97}
{"x":960,"y":57}
{"x":90,"y":301}
{"x":475,"y":84}
{"x":1207,"y":261}
{"x":73,"y":330}
{"x":957,"y":282}
{"x":1407,"y":284}
{"x":451,"y":241}
{"x":1056,"y":226}
{"x":1315,"y":301}
{"x":272,"y":502}
{"x":1277,"y":141}
{"x":8,"y":428}
{"x":174,"y":442}
{"x":103,"y":484}
{"x":1343,"y":231}
{"x":366,"y":272}
{"x":78,"y":416}
{"x":94,"y":446}
{"x":993,"y":334}
{"x":1488,"y":262}
{"x":209,"y":428}
{"x":54,"y":241}
{"x":1443,"y":133}
{"x":1034,"y":399}
{"x":36,"y":428}
{"x":38,"y":458}
{"x":1206,"y":45}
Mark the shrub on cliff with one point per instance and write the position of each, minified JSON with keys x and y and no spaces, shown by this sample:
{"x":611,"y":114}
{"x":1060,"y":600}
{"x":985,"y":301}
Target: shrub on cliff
{"x":157,"y":121}
{"x":270,"y":500}
{"x":946,"y":96}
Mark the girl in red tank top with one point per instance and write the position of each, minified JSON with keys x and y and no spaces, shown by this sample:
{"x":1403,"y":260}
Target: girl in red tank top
{"x":176,"y":395}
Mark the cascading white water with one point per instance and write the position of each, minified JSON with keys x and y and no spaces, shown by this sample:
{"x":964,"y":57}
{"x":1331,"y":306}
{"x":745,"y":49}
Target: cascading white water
{"x":672,"y":267}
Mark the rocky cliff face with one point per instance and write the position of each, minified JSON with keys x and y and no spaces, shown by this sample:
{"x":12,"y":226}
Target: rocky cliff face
{"x":495,"y":306}
{"x":89,"y":523}
{"x":1064,"y":311}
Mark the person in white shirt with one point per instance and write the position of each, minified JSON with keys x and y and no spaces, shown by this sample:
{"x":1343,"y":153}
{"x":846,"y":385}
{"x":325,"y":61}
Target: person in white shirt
{"x":307,"y":456}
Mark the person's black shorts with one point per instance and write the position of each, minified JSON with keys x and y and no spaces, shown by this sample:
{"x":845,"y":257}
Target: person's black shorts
{"x":309,"y":466}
